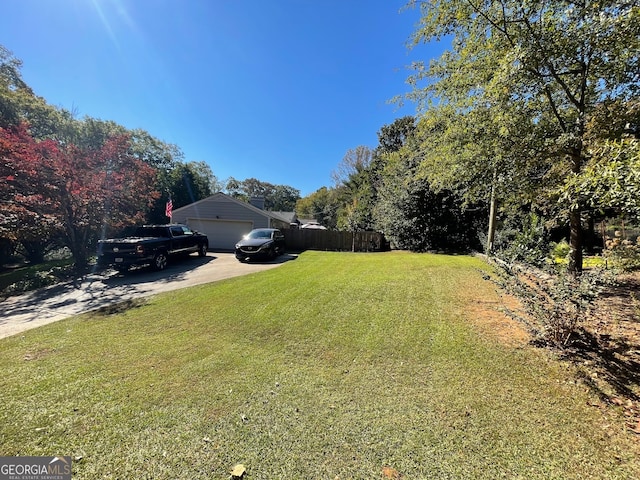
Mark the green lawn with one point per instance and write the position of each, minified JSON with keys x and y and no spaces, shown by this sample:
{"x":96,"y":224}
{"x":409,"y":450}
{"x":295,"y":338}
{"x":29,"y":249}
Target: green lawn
{"x":332,"y":366}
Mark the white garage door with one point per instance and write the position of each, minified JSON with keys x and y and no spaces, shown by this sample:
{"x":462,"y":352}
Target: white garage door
{"x":223,"y":234}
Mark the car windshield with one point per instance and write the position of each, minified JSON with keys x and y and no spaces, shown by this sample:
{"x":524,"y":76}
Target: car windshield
{"x":259,"y":234}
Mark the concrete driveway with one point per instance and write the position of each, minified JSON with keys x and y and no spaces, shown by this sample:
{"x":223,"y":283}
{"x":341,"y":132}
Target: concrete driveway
{"x":31,"y":310}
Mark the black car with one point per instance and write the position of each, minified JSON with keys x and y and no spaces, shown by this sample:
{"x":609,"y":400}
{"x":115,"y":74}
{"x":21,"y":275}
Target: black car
{"x":260,"y":243}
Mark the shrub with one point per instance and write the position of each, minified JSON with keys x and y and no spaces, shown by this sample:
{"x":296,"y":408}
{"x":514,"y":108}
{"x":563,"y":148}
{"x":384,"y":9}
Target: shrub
{"x":623,"y":254}
{"x":524,"y":240}
{"x":559,"y":251}
{"x":556,"y":302}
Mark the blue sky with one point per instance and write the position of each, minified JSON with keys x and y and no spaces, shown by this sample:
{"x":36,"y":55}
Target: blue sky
{"x":276,"y":90}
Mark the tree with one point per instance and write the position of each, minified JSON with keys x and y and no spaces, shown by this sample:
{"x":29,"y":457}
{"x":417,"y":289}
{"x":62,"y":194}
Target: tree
{"x":280,"y":198}
{"x":415,"y":217}
{"x":76,"y":192}
{"x":321,"y":205}
{"x":283,"y":199}
{"x":11,"y":86}
{"x":393,"y":137}
{"x":354,"y":161}
{"x":359,"y":176}
{"x":24,"y":216}
{"x":190,"y":182}
{"x":557,"y":60}
{"x":611,"y":181}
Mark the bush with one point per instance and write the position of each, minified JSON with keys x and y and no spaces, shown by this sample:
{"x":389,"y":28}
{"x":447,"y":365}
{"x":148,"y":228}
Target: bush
{"x":524,"y":240}
{"x":559,"y":251}
{"x":623,"y":254}
{"x":556,"y":302}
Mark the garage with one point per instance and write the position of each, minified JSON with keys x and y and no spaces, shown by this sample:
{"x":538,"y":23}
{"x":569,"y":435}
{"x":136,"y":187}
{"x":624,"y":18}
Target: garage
{"x":225,"y":219}
{"x":223,"y":234}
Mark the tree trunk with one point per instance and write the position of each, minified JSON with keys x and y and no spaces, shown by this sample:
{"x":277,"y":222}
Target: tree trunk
{"x":576,"y":237}
{"x":492,"y":217}
{"x":35,"y":251}
{"x":575,"y":242}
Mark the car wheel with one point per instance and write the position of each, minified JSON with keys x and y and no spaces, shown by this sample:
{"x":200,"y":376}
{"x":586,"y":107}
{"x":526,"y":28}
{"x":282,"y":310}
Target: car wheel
{"x":160,"y":261}
{"x":202,"y":250}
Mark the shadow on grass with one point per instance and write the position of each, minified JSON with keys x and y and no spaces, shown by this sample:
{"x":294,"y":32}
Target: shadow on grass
{"x":121,"y":307}
{"x":285,"y":257}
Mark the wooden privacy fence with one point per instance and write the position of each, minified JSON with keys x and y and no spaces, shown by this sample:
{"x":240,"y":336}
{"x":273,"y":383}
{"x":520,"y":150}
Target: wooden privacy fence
{"x":309,"y":239}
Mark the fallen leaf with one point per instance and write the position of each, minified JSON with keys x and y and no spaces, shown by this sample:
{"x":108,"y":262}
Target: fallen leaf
{"x":238,"y":471}
{"x":392,"y":473}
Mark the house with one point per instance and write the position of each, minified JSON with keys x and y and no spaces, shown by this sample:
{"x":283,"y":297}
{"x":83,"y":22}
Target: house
{"x":225,"y":220}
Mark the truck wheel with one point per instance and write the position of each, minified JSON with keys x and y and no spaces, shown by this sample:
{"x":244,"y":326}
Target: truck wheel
{"x":160,"y":261}
{"x":202,"y":250}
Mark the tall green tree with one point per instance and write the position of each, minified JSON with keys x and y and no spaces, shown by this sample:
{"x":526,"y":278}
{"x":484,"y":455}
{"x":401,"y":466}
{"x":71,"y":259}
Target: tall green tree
{"x":321,"y":205}
{"x":283,"y":198}
{"x":558,"y":60}
{"x":280,"y":198}
{"x":359,"y":176}
{"x":353,"y":189}
{"x":190,"y":182}
{"x":412,"y":215}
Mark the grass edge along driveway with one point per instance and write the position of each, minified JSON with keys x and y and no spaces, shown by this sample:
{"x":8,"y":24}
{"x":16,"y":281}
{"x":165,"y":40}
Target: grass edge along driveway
{"x":335,"y":365}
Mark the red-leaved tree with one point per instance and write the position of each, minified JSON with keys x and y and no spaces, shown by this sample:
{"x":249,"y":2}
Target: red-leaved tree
{"x":55,"y":188}
{"x":23,"y":214}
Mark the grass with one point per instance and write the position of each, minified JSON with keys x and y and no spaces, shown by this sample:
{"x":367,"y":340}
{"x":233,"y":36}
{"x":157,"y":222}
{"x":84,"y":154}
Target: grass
{"x":334,"y":365}
{"x":17,"y":280}
{"x":591,"y":261}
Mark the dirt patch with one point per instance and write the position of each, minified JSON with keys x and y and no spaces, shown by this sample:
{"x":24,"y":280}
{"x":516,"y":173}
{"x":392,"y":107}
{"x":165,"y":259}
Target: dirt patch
{"x":617,"y":313}
{"x":38,"y":354}
{"x":492,"y":318}
{"x":605,"y":350}
{"x":489,"y":309}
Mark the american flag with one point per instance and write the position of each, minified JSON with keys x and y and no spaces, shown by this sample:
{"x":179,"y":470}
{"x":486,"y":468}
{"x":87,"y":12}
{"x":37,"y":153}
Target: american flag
{"x":169,"y":208}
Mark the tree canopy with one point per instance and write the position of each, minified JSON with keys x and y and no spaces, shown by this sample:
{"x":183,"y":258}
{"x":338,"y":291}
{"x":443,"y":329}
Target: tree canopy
{"x":277,"y":198}
{"x":540,"y":70}
{"x":66,"y":181}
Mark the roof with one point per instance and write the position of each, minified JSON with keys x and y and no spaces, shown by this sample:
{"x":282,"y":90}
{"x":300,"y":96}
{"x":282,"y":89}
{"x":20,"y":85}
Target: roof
{"x":287,"y":217}
{"x":221,"y":196}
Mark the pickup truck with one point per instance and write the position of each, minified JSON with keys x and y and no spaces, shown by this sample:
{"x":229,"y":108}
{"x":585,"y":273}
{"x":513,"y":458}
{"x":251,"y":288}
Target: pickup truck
{"x":151,"y":245}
